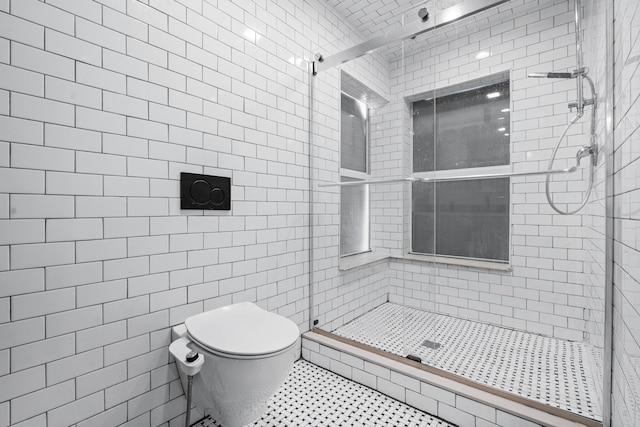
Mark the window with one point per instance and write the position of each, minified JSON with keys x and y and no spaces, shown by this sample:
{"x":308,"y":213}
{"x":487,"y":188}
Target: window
{"x":354,"y":165}
{"x":463,"y":131}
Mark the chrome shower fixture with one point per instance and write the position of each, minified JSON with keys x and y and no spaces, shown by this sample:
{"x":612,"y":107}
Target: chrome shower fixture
{"x":423,"y":14}
{"x":552,"y":75}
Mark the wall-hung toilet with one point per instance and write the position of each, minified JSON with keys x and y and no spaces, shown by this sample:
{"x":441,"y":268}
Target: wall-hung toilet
{"x":248,"y":353}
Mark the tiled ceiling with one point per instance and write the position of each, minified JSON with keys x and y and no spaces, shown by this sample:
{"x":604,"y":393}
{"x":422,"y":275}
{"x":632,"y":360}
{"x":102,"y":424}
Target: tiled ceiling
{"x":376,"y":17}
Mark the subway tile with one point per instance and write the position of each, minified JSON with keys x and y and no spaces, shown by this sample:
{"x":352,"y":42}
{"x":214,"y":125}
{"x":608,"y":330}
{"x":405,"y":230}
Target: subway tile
{"x":125,"y":391}
{"x":168,"y":225}
{"x":73,"y":320}
{"x":148,"y":284}
{"x":100,"y":336}
{"x":101,"y":207}
{"x":137,"y":206}
{"x":89,"y":10}
{"x":20,"y":130}
{"x":40,"y":352}
{"x":21,"y":383}
{"x":102,"y":292}
{"x":149,"y":91}
{"x":103,"y":249}
{"x":110,"y":418}
{"x":137,"y":246}
{"x":103,"y":164}
{"x":62,"y":183}
{"x":125,"y":65}
{"x":44,"y":158}
{"x":101,"y":379}
{"x":100,"y":35}
{"x":164,"y":114}
{"x":21,"y":30}
{"x":125,"y":186}
{"x":45,"y":15}
{"x":122,"y":23}
{"x":102,"y":121}
{"x":74,"y":366}
{"x":126,"y":227}
{"x":148,"y":323}
{"x":128,"y":267}
{"x":41,"y":303}
{"x":72,"y":93}
{"x":147,"y":168}
{"x":72,"y":47}
{"x":126,"y":349}
{"x":59,"y":230}
{"x":18,"y":231}
{"x":21,"y":332}
{"x":72,"y":138}
{"x":167,"y":78}
{"x":146,"y":402}
{"x":147,"y":129}
{"x":41,"y":401}
{"x":21,"y":80}
{"x":100,"y":78}
{"x":124,"y":145}
{"x":78,"y":410}
{"x":42,"y":109}
{"x":164,"y":40}
{"x":41,"y":255}
{"x":41,"y":206}
{"x":146,"y":52}
{"x":21,"y":282}
{"x":144,"y":13}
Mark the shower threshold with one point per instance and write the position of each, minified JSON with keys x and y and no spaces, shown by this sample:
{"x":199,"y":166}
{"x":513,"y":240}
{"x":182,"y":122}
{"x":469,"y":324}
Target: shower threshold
{"x":550,"y":371}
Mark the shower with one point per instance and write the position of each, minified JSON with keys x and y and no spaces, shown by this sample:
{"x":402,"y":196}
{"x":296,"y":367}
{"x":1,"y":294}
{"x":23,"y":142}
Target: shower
{"x":580,"y":74}
{"x":497,"y":317}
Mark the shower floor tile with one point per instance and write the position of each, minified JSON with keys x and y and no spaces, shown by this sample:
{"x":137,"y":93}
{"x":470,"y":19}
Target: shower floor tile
{"x":312,"y":396}
{"x":552,"y":371}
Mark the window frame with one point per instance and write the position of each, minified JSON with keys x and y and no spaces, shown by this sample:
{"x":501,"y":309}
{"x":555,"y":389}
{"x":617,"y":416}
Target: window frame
{"x":503,"y":265}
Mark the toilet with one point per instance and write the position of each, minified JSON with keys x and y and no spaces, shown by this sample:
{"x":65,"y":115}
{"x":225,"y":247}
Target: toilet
{"x":247,"y":353}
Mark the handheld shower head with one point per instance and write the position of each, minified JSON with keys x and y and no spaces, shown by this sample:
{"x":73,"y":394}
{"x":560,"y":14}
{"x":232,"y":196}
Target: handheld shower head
{"x":552,"y":75}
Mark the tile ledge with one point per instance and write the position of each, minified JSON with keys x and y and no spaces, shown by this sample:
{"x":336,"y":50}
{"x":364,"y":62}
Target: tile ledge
{"x":358,"y":260}
{"x":479,"y":395}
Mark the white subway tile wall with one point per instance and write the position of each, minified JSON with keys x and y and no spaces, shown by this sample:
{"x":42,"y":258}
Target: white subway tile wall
{"x":102,"y":105}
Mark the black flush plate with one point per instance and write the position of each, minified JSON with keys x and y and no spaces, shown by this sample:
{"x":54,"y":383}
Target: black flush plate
{"x":204,"y":192}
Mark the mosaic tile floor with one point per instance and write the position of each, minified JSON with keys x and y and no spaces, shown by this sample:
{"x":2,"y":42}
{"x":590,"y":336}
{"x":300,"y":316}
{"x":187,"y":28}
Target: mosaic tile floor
{"x":548,"y":370}
{"x":312,"y":396}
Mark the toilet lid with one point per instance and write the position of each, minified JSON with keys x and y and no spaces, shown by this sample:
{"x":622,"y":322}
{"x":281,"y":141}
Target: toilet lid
{"x":242,"y":329}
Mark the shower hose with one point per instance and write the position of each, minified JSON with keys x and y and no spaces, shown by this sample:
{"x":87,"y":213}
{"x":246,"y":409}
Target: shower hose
{"x":592,"y":153}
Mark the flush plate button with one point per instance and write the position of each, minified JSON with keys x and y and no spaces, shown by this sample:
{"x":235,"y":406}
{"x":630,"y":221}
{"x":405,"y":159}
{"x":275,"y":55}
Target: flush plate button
{"x":204,"y":192}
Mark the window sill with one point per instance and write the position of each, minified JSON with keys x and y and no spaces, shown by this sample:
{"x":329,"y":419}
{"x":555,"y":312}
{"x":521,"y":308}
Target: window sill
{"x":458,"y":262}
{"x":358,"y":260}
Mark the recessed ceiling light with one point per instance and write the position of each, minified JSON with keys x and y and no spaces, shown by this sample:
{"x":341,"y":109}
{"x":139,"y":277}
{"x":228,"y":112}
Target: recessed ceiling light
{"x":505,"y":110}
{"x":501,"y":129}
{"x":493,"y":95}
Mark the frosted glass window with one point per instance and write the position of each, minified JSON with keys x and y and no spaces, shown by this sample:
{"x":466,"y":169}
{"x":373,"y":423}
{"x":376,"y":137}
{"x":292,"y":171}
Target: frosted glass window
{"x":468,"y":219}
{"x":354,"y":219}
{"x":353,"y":135}
{"x":464,"y":129}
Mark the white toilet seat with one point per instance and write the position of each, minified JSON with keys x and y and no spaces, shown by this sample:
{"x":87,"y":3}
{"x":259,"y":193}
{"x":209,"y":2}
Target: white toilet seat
{"x":243,"y":331}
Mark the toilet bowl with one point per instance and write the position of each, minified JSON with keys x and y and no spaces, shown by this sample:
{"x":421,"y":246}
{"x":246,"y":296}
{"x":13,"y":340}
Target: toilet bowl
{"x":248,"y":353}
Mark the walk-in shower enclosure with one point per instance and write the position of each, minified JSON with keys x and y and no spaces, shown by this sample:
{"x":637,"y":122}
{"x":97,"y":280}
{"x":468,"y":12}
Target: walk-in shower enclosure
{"x":478,"y":278}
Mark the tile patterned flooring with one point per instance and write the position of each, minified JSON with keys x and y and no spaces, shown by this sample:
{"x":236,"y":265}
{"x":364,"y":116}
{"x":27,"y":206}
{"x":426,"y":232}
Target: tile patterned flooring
{"x":552,"y":371}
{"x":313,"y":396}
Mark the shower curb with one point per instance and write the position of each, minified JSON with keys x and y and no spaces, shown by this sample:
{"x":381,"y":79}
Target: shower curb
{"x":444,"y":396}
